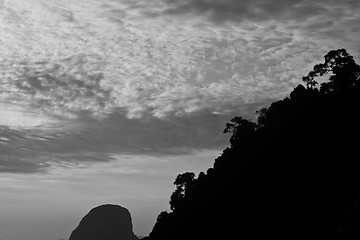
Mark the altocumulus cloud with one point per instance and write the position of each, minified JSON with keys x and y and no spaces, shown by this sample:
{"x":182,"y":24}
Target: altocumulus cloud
{"x":156,"y":77}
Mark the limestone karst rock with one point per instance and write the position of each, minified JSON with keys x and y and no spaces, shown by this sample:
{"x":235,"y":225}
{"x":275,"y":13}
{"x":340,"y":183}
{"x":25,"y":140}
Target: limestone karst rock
{"x":105,"y":222}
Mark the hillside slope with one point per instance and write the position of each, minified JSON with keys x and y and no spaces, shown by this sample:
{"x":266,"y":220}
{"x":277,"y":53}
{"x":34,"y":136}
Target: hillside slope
{"x":293,"y":172}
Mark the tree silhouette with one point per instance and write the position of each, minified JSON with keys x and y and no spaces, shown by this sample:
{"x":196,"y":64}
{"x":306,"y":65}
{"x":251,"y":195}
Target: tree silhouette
{"x":241,"y":129}
{"x":292,"y":173}
{"x":182,"y":183}
{"x":345,"y":72}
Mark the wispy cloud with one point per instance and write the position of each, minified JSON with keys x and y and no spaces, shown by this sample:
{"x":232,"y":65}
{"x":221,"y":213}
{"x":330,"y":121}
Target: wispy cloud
{"x":87,"y":140}
{"x":109,"y":56}
{"x":87,"y":79}
{"x":256,"y":10}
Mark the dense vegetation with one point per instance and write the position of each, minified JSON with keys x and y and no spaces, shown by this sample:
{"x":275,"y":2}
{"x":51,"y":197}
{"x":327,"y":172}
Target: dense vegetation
{"x":293,"y":172}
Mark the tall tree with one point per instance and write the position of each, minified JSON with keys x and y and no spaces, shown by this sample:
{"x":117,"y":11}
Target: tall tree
{"x":345,"y":72}
{"x":182,"y":183}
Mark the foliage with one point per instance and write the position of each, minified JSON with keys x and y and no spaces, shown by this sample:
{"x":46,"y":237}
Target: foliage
{"x":241,"y":129}
{"x":345,"y":72}
{"x":293,"y":172}
{"x":182,"y":183}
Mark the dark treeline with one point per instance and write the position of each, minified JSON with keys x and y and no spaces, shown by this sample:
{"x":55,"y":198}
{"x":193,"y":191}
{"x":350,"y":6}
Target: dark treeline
{"x":293,"y":172}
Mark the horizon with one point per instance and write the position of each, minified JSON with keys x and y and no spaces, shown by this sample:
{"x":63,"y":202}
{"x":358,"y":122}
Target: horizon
{"x":108,"y":101}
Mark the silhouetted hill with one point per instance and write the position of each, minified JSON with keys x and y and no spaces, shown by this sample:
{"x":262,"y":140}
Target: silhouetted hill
{"x":294,"y":172}
{"x":106,"y":222}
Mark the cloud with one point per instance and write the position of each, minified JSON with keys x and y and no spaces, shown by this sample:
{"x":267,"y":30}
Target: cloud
{"x":96,"y":78}
{"x":20,"y":165}
{"x":85,"y":141}
{"x":220,"y":11}
{"x":18,"y":116}
{"x":234,"y":10}
{"x":159,"y":80}
{"x":144,"y":65}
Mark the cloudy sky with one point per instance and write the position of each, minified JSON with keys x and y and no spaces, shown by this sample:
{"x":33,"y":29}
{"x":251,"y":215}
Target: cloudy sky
{"x":106,"y":101}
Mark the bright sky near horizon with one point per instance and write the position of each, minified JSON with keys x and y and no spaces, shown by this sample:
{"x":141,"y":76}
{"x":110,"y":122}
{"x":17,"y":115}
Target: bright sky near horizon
{"x":106,"y":101}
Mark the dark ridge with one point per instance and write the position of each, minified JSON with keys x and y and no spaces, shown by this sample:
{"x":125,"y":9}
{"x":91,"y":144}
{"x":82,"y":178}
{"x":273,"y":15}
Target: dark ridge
{"x":294,"y":172}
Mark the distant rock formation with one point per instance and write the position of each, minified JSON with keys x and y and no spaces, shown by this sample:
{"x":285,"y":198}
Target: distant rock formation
{"x":105,"y":222}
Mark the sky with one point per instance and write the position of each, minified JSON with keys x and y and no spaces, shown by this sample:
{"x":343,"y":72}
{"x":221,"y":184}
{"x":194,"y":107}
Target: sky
{"x":106,"y":101}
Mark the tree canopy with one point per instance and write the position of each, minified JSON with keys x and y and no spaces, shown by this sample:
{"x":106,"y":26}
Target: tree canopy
{"x":182,"y":183}
{"x":345,"y":72}
{"x":293,"y":172}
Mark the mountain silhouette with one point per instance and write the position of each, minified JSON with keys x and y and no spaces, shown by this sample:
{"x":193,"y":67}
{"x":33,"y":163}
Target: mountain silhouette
{"x":105,"y":222}
{"x":294,"y":172}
